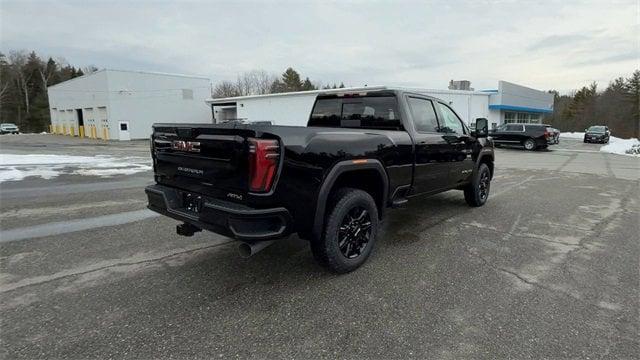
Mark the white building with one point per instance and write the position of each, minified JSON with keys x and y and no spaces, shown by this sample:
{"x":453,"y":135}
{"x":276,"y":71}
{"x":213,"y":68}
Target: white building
{"x":122,"y":105}
{"x":508,"y":103}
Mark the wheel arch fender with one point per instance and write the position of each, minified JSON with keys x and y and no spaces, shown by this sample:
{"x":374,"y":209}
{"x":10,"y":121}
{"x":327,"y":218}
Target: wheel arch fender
{"x":485,"y":158}
{"x":342,"y":168}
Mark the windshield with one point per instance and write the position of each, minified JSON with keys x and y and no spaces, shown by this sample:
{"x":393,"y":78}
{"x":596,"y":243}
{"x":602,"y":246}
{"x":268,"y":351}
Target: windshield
{"x":596,"y":129}
{"x":8,"y":125}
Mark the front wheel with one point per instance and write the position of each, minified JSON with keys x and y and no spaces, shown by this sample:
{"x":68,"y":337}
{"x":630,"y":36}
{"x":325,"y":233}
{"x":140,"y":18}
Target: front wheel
{"x":477,"y":192}
{"x":349,"y":233}
{"x":530,"y":144}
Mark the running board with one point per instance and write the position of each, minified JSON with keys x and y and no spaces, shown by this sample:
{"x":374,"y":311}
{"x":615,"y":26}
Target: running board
{"x":399,"y":202}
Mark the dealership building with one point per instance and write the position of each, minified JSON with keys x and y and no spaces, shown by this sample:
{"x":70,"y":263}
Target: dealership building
{"x":508,"y":103}
{"x":122,"y":105}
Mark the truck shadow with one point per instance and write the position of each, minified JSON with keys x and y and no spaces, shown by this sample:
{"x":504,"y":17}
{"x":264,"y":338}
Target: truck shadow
{"x":291,"y":258}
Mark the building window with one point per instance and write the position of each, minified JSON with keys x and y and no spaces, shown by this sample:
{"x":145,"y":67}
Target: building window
{"x":522,"y":118}
{"x":509,"y":117}
{"x":187,"y":94}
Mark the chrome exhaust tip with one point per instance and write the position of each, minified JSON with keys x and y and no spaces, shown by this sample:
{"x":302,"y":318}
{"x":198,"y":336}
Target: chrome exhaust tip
{"x":247,"y":250}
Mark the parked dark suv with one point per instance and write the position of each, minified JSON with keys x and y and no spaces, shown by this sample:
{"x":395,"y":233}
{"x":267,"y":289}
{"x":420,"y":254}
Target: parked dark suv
{"x":598,"y":134}
{"x":530,"y":136}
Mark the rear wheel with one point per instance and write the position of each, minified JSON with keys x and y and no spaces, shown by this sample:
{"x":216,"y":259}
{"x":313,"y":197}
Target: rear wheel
{"x":529,"y":144}
{"x":477,"y":192}
{"x":349,"y":233}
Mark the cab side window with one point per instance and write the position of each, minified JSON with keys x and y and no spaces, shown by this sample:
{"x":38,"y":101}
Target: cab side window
{"x":423,"y":114}
{"x":451,"y":123}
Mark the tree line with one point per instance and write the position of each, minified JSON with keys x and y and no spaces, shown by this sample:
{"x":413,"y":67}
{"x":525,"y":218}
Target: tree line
{"x":24,"y":78}
{"x":616,"y":107}
{"x":259,"y":82}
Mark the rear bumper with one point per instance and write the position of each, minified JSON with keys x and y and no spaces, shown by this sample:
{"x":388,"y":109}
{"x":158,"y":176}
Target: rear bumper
{"x":222,"y":217}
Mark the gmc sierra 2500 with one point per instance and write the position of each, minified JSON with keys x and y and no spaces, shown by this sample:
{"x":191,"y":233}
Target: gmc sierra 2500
{"x":330,"y":182}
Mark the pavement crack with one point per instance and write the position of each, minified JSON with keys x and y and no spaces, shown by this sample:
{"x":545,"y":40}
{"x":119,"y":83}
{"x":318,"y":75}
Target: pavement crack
{"x":40,"y":280}
{"x":608,"y":165}
{"x":598,"y":229}
{"x":572,"y":157}
{"x":521,"y":278}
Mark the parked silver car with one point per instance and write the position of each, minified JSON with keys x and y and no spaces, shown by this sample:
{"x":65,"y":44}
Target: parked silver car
{"x":9,"y":128}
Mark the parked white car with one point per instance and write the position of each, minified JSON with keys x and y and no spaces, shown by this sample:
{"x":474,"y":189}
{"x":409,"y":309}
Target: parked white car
{"x":9,"y":128}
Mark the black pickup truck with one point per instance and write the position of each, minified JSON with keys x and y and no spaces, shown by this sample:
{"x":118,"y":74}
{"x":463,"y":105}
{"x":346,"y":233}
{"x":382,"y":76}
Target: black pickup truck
{"x":330,"y":182}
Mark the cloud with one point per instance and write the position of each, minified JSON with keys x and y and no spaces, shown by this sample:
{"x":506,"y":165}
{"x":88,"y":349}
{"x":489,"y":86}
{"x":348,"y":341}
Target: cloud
{"x":607,"y":60}
{"x":405,"y":42}
{"x":555,"y":41}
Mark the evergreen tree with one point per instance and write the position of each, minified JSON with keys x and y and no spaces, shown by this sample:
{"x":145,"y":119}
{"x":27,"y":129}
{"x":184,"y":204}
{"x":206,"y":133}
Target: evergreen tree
{"x":291,"y":80}
{"x":307,"y":85}
{"x":633,"y":99}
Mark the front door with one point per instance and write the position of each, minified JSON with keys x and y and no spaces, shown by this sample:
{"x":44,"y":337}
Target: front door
{"x":461,"y":145}
{"x":431,"y":169}
{"x":123,"y":131}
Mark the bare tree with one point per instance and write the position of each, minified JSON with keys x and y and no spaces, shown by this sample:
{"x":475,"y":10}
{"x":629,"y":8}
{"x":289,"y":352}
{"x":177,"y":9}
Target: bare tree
{"x":255,"y":82}
{"x":89,"y":69}
{"x":5,"y":79}
{"x":225,"y":89}
{"x":17,"y":61}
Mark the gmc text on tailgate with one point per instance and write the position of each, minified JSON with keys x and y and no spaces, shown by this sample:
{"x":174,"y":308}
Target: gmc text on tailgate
{"x":330,"y":182}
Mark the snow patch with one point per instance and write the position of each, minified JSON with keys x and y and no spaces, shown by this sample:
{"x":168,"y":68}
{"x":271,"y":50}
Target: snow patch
{"x":616,"y":145}
{"x":15,"y":167}
{"x":572,"y":135}
{"x":630,"y":147}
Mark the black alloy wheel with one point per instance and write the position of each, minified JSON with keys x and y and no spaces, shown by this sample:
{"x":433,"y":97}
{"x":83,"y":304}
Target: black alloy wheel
{"x":349,"y":233}
{"x":476,"y":193}
{"x":354,"y":233}
{"x":483,"y":185}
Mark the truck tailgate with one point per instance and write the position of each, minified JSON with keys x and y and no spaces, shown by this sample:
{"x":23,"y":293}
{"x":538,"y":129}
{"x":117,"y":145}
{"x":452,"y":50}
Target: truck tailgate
{"x":208,"y":160}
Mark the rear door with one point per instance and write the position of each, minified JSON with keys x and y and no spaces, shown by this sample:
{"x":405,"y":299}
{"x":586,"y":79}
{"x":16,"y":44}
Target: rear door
{"x":207,"y":160}
{"x":508,"y":134}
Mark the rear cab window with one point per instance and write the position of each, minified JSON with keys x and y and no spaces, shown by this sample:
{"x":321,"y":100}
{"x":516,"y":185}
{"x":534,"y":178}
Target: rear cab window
{"x":378,"y":111}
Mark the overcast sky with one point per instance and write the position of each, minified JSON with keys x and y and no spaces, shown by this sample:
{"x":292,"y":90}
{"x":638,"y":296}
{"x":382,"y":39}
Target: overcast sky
{"x":547,"y":45}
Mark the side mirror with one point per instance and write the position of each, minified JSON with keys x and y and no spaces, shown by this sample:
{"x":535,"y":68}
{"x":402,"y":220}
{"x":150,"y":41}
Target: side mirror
{"x":482,"y":127}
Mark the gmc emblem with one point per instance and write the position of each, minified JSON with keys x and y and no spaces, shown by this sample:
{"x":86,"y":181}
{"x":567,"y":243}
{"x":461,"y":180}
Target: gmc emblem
{"x":188,"y":146}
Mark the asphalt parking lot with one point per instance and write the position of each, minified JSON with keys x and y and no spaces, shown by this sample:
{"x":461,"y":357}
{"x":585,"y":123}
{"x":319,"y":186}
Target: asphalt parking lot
{"x":547,"y":268}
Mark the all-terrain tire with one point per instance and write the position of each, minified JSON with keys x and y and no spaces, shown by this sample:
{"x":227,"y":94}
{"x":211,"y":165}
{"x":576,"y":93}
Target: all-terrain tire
{"x":476,"y":193}
{"x":326,"y":250}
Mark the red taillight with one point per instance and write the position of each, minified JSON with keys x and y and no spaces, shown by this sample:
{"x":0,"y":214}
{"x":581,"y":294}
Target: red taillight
{"x":263,"y":164}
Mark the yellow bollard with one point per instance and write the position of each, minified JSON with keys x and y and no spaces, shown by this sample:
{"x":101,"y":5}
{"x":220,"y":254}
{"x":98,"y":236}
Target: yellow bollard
{"x":64,"y":129}
{"x":105,"y":134}
{"x":60,"y":130}
{"x":81,"y":130}
{"x":72,"y":130}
